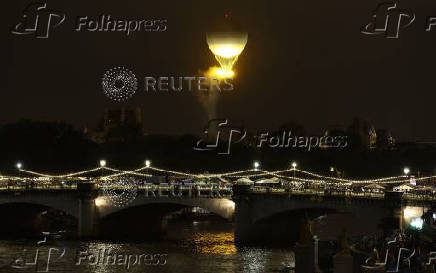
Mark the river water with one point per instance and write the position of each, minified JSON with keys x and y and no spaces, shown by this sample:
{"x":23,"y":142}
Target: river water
{"x":204,"y":246}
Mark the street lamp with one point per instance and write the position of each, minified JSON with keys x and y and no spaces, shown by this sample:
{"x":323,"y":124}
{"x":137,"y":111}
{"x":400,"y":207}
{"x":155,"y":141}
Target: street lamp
{"x":19,"y":165}
{"x":147,"y":163}
{"x":406,"y":170}
{"x":294,"y":166}
{"x":256,"y":165}
{"x":102,"y":163}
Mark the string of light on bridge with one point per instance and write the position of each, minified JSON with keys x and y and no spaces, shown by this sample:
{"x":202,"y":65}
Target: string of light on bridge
{"x":249,"y":173}
{"x":59,"y":176}
{"x":385,"y":180}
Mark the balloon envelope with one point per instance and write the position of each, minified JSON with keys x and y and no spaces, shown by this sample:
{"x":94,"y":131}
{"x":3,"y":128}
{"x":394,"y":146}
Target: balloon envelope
{"x":226,"y":46}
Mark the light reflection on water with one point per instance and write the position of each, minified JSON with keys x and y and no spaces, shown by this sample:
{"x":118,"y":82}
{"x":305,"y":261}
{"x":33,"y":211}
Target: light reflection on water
{"x":203,"y":247}
{"x":214,"y":243}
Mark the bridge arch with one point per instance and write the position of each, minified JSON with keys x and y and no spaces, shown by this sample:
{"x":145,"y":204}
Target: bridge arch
{"x":65,"y":201}
{"x":219,"y":206}
{"x":145,"y":216}
{"x":256,"y":212}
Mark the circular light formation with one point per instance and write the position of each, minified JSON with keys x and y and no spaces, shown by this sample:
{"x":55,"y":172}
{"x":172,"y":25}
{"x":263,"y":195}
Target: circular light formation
{"x":119,"y":84}
{"x":102,"y":163}
{"x":147,"y":163}
{"x":256,"y":164}
{"x":119,"y":192}
{"x":294,"y":164}
{"x":406,"y":170}
{"x":19,"y":165}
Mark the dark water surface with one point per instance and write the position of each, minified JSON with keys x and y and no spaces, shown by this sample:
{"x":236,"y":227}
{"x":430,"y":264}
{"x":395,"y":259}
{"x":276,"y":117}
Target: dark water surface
{"x":205,"y":246}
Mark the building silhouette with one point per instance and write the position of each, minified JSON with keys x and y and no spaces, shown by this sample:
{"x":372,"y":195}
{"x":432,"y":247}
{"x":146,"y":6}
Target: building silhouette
{"x":117,"y":125}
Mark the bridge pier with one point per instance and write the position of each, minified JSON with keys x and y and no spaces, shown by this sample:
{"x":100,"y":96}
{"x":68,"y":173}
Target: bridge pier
{"x":393,"y":201}
{"x":87,"y":210}
{"x":242,"y":216}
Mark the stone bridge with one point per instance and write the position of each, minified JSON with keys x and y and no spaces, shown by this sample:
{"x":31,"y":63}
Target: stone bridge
{"x":258,"y":215}
{"x":269,"y":216}
{"x":90,"y":207}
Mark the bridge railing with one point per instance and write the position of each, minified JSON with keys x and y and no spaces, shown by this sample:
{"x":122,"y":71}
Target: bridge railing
{"x":417,"y":197}
{"x":319,"y":192}
{"x":204,"y":189}
{"x":225,"y":189}
{"x":348,"y":193}
{"x":193,"y":188}
{"x":23,"y":187}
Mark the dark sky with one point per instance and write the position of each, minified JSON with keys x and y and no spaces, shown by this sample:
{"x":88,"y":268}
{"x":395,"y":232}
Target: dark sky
{"x":304,"y":60}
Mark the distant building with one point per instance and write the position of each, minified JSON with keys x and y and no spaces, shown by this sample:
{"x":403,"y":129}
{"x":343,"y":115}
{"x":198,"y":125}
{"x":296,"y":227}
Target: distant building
{"x":385,"y":141}
{"x":117,"y":125}
{"x":363,"y":134}
{"x":333,"y":130}
{"x":114,"y":118}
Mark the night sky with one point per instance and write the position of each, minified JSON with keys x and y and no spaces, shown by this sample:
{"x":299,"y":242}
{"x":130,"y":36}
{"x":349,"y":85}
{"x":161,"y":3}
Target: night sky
{"x":305,"y":61}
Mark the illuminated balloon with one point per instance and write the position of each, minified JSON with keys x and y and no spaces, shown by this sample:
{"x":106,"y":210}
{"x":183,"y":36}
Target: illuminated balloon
{"x":226,"y":46}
